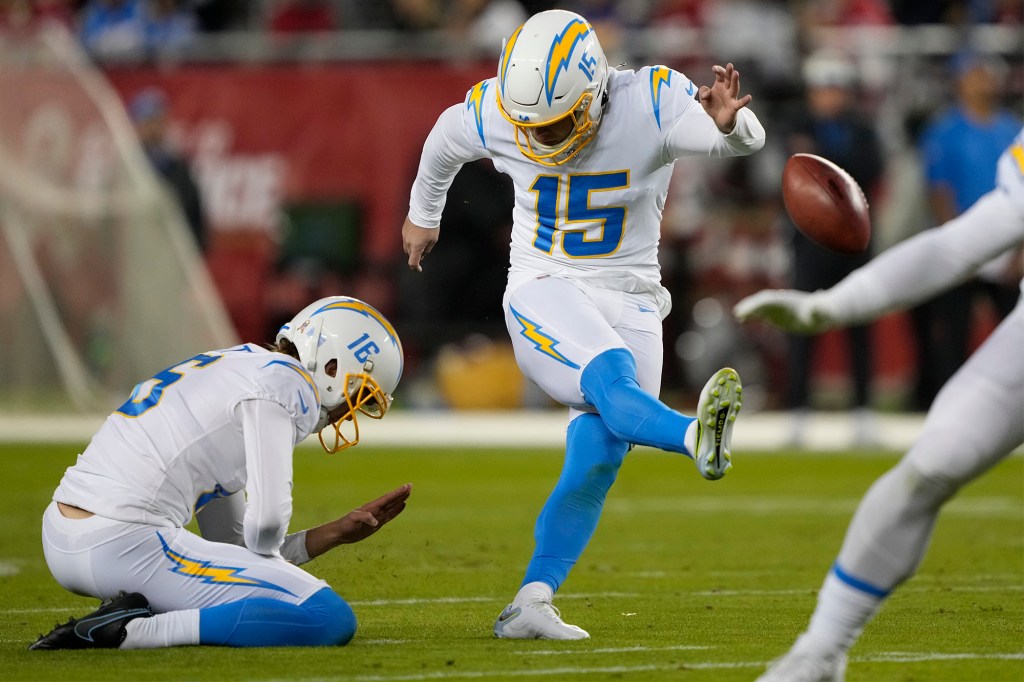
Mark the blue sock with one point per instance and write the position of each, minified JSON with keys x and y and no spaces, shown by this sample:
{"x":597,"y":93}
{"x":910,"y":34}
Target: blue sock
{"x":324,"y":619}
{"x":609,"y":383}
{"x":592,"y":460}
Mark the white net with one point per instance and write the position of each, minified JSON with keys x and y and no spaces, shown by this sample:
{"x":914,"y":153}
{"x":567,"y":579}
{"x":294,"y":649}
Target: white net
{"x":101,"y":283}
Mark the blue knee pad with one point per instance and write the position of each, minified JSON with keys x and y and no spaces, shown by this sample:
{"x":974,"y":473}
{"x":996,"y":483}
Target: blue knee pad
{"x":324,"y":619}
{"x":609,"y":383}
{"x":593,"y":456}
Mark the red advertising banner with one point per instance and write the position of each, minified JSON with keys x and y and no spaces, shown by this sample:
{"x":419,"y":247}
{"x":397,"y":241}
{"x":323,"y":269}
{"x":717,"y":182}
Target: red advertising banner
{"x":263,"y":137}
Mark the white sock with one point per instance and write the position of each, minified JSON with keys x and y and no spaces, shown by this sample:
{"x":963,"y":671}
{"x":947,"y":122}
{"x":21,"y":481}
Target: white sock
{"x":840,"y":616}
{"x":690,"y":438}
{"x":175,"y":628}
{"x":533,"y":592}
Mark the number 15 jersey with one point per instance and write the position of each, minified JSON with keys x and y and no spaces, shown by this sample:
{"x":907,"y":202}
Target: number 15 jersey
{"x":597,"y":216}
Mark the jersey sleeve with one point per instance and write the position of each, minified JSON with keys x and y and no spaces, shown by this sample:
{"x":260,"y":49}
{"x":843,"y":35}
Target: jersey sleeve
{"x":684,"y":126}
{"x":1010,"y":172}
{"x":458,"y":137}
{"x":267,"y":433}
{"x":930,"y":262}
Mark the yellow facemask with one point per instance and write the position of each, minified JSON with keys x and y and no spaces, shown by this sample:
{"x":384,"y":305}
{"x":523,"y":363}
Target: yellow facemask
{"x":364,"y":396}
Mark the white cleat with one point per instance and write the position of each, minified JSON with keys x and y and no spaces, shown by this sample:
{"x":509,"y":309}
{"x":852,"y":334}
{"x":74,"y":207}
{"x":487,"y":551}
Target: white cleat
{"x":716,"y":413}
{"x":801,"y":666}
{"x":536,"y":620}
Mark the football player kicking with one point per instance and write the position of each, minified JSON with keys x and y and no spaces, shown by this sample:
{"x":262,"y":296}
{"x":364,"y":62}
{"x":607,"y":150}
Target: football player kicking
{"x":590,"y":152}
{"x":977,"y":418}
{"x":213,"y":436}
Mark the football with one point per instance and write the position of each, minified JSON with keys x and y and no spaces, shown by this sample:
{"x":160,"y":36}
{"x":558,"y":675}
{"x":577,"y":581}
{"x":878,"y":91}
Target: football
{"x":826,"y":204}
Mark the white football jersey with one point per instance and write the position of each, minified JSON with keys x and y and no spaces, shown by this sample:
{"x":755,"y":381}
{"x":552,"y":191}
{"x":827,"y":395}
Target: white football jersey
{"x":178,"y":442}
{"x":597,"y":216}
{"x":1010,"y":172}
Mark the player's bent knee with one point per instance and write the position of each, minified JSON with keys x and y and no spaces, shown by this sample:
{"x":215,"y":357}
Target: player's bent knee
{"x":336,"y":618}
{"x":607,"y":376}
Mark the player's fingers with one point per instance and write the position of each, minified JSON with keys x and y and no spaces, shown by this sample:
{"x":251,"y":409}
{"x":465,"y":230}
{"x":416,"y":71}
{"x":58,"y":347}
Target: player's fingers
{"x":390,"y":512}
{"x":704,"y":93}
{"x":364,"y":517}
{"x":399,"y":494}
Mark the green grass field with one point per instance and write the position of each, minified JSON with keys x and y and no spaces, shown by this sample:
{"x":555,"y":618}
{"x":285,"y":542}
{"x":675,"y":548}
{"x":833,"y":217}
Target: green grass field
{"x":684,"y":580}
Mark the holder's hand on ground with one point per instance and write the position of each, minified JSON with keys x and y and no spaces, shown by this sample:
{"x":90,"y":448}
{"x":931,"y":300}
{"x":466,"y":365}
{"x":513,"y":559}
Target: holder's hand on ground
{"x":358,"y":524}
{"x":793,"y":311}
{"x":720,"y":100}
{"x":417,"y":242}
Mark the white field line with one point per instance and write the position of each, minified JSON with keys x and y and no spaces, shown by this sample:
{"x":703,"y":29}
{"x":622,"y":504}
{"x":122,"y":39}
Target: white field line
{"x":603,"y":595}
{"x":613,"y":650}
{"x":895,"y":657}
{"x":8,"y":568}
{"x":759,"y":505}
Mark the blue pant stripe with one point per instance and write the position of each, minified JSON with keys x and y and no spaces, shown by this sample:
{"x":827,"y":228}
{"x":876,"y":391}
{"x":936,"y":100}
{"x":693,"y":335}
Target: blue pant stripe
{"x":858,"y":584}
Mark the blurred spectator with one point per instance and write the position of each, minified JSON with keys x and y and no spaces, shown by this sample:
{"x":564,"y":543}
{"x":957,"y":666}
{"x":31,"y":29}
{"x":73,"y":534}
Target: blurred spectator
{"x":303,"y":16}
{"x":114,"y":27}
{"x":148,"y":111}
{"x":485,"y":24}
{"x":759,"y":35}
{"x":681,"y":12}
{"x":960,"y":148}
{"x":848,"y":13}
{"x":170,"y":25}
{"x":416,"y":15}
{"x":828,"y":125}
{"x":136,"y":28}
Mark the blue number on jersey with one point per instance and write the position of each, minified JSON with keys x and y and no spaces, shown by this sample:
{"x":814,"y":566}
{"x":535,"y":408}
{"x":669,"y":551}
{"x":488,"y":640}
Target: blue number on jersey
{"x":578,"y":210}
{"x":146,"y":395}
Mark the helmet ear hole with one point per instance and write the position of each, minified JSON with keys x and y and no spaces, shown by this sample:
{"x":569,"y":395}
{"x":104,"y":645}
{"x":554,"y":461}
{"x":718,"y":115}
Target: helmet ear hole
{"x":331,"y":368}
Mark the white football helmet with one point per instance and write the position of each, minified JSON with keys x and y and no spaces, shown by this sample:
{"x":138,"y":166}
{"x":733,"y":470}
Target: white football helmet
{"x":551,"y":68}
{"x":354,"y":357}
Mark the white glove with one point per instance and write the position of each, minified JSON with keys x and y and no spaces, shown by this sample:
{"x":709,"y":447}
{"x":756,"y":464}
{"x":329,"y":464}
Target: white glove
{"x":793,"y":311}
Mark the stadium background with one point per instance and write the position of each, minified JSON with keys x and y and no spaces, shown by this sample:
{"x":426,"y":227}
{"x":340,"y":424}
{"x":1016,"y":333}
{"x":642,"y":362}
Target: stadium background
{"x":304,"y":144}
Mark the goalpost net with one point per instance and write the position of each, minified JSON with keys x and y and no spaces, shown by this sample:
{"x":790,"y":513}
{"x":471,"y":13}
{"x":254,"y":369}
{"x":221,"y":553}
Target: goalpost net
{"x":101,"y":282}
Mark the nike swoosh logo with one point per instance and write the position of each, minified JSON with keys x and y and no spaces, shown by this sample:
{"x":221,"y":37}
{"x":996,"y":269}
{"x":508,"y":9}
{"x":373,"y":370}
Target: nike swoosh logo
{"x":645,"y":310}
{"x":302,"y":404}
{"x":100,"y":621}
{"x":508,"y":615}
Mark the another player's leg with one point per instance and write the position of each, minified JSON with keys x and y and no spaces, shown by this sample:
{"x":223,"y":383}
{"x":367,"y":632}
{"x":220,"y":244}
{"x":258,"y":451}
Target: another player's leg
{"x":570,"y":515}
{"x":973,"y":424}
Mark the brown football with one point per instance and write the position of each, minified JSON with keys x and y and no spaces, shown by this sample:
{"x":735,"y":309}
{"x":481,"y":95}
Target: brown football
{"x":825,"y":203}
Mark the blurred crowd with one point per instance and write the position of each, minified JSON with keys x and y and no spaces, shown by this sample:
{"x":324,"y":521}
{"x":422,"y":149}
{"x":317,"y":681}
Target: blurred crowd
{"x":909,"y":121}
{"x":115,"y":28}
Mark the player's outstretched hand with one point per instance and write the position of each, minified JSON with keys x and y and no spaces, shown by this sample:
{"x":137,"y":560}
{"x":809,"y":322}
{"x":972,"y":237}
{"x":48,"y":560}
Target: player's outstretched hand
{"x":793,"y":311}
{"x":364,"y":521}
{"x":417,"y":242}
{"x":358,"y":524}
{"x":721,"y":101}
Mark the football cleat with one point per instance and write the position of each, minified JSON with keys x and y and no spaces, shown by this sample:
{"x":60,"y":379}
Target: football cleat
{"x":802,"y":666}
{"x":536,"y":620}
{"x":716,"y":413}
{"x":104,"y":628}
